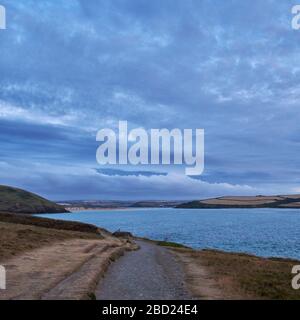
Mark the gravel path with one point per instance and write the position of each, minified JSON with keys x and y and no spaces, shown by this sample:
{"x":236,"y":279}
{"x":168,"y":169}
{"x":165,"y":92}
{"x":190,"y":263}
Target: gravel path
{"x":149,"y":273}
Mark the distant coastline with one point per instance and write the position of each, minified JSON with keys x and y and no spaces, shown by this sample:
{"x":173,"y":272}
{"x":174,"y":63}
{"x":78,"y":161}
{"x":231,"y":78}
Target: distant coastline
{"x":279,"y":201}
{"x":75,"y":209}
{"x":226,"y":202}
{"x":99,"y":205}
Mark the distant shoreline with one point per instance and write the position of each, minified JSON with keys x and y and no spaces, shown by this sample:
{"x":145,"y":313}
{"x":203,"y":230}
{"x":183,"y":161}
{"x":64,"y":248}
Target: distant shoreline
{"x":245,"y":202}
{"x":76,"y":209}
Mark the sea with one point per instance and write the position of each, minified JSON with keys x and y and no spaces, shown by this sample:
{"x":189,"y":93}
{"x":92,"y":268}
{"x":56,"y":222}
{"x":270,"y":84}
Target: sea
{"x":262,"y":232}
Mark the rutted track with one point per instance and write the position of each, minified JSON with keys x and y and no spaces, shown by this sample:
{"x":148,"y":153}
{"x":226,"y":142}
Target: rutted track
{"x":65,"y":270}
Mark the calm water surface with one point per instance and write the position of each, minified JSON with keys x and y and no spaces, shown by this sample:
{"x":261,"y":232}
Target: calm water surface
{"x":264,"y":232}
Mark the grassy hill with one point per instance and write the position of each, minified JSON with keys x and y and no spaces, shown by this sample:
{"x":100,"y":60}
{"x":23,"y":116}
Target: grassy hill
{"x":283,"y":201}
{"x":15,"y":200}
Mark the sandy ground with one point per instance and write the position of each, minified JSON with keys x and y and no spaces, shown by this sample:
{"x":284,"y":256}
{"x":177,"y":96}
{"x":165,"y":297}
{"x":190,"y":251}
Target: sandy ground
{"x":199,"y":279}
{"x":75,"y":209}
{"x":66,"y":270}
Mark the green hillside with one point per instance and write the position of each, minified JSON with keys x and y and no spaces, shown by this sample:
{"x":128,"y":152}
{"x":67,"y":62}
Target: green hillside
{"x":15,"y":200}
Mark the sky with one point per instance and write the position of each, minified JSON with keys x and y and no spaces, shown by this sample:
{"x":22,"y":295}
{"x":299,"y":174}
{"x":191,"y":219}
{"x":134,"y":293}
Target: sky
{"x":69,"y":68}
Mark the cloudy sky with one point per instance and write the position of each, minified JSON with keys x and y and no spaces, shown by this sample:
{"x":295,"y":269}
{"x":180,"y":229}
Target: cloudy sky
{"x":69,"y":68}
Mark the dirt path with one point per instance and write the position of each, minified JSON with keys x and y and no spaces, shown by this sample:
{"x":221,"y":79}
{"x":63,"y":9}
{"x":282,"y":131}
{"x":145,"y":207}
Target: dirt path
{"x":65,"y":270}
{"x":151,"y":272}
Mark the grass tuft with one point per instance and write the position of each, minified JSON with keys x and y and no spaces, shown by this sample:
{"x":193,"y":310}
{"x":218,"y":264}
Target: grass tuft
{"x":171,"y":244}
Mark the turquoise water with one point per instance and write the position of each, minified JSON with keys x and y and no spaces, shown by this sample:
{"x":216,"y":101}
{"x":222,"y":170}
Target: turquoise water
{"x":264,"y":232}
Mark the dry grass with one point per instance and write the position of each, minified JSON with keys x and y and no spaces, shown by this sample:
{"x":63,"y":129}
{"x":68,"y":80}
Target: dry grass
{"x":16,"y":238}
{"x":214,"y":274}
{"x":20,"y":233}
{"x":238,"y":201}
{"x":43,"y":262}
{"x":48,"y":223}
